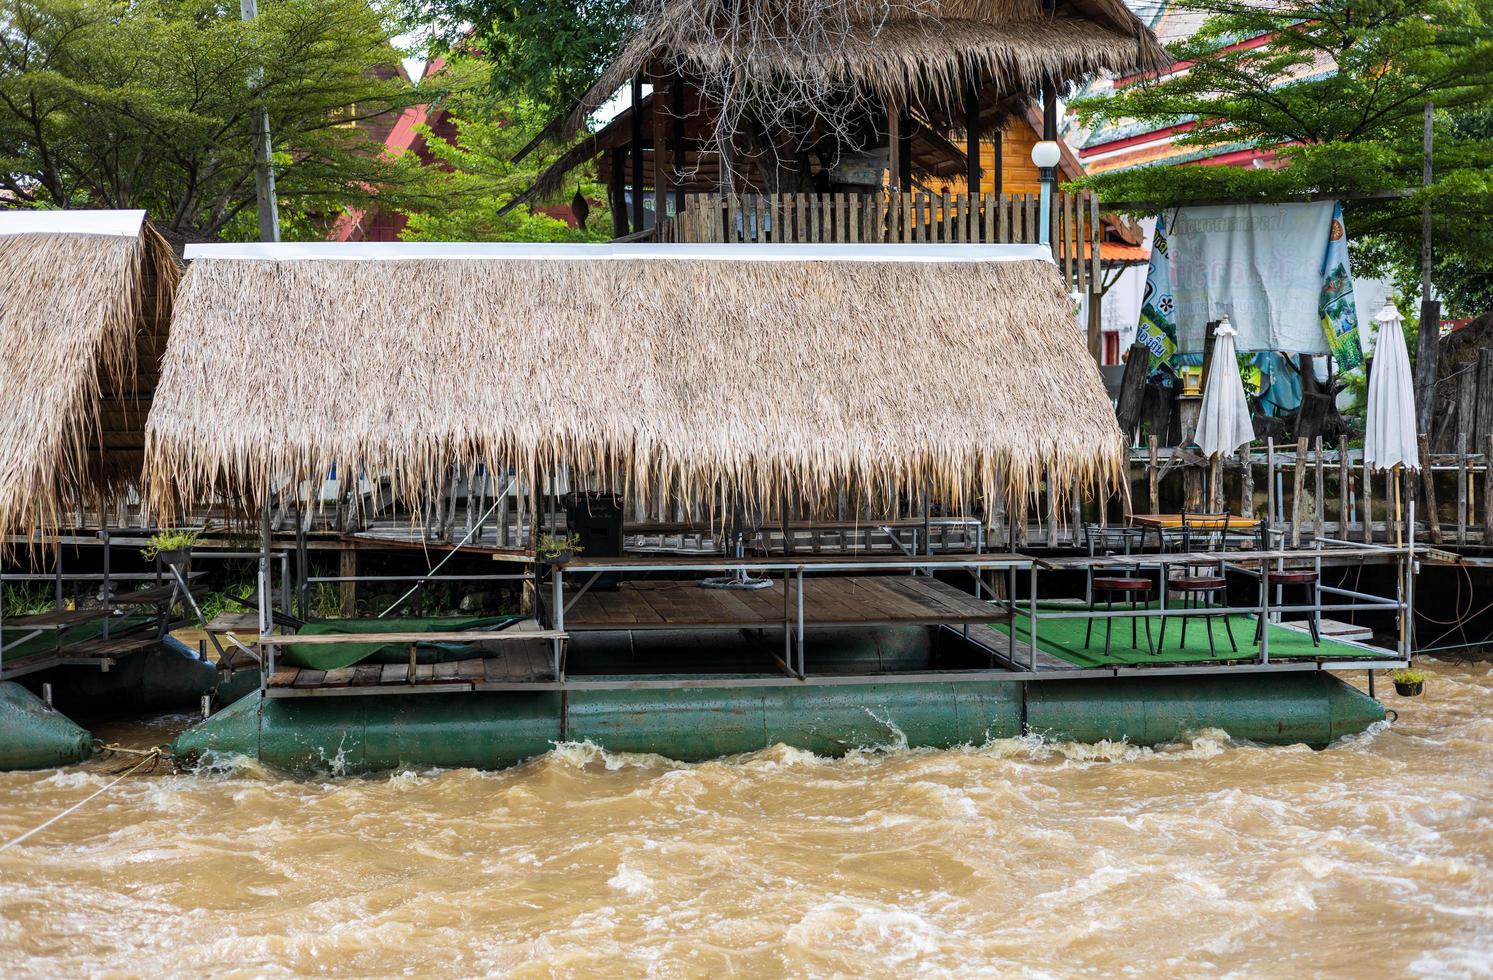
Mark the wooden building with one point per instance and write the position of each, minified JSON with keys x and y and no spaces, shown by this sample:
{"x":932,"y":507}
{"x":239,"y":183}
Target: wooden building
{"x":903,"y":82}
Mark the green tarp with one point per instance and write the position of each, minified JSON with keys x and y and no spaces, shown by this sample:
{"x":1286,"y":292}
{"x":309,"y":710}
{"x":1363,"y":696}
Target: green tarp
{"x":47,"y":642}
{"x":335,"y":656}
{"x":1064,"y":639}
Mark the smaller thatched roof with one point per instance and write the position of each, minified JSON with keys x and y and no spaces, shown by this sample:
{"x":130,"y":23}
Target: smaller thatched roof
{"x":701,"y":369}
{"x":920,"y":54}
{"x":84,"y":302}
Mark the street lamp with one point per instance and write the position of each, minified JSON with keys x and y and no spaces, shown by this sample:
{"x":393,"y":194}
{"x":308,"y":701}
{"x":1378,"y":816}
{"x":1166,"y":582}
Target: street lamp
{"x":1045,"y":156}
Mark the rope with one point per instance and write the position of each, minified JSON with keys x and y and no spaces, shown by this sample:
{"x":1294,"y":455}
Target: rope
{"x":460,"y":544}
{"x":151,"y":756}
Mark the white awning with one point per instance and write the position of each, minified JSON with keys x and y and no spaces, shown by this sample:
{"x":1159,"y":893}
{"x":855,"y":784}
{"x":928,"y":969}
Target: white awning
{"x":125,"y":223}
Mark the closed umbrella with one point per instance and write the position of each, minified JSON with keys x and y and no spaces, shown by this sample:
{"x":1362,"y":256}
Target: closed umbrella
{"x":1389,"y":433}
{"x":1223,"y":425}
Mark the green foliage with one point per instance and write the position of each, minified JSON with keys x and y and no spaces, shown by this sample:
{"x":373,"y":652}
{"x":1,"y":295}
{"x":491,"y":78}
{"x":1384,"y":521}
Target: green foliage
{"x":550,"y":547}
{"x":216,"y":603}
{"x":174,"y":540}
{"x":1410,"y":676}
{"x":1339,"y":92}
{"x":323,"y":601}
{"x":27,"y":600}
{"x":477,"y":176}
{"x":546,"y":52}
{"x":150,"y":104}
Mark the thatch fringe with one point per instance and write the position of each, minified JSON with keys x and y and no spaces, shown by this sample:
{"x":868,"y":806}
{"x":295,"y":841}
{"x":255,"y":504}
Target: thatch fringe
{"x":912,"y":52}
{"x":73,"y":309}
{"x":706,"y":380}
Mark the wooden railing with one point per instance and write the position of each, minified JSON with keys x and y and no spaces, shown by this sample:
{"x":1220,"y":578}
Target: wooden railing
{"x":902,"y":218}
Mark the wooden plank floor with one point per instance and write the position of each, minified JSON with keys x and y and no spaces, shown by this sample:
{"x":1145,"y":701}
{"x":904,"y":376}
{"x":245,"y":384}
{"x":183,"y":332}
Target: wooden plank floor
{"x":828,"y":600}
{"x":517,"y":666}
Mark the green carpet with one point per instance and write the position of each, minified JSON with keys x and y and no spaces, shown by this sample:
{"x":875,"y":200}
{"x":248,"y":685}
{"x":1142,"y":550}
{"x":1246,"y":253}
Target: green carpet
{"x":1063,"y":638}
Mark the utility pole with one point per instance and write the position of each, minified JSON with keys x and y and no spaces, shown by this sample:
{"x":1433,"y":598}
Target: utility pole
{"x":1429,"y":348}
{"x":264,"y":177}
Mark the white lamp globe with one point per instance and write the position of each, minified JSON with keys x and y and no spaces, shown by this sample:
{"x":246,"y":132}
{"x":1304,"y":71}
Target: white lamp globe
{"x":1046,"y":154}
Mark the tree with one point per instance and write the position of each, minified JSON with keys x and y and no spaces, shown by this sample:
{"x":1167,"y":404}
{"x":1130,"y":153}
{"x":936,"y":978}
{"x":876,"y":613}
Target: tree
{"x":475,"y":175}
{"x":148,"y":104}
{"x":1338,"y":88}
{"x":548,"y":52}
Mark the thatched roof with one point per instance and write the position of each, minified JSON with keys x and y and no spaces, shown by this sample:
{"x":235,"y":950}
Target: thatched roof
{"x":84,"y":301}
{"x":758,"y":368}
{"x":911,"y":53}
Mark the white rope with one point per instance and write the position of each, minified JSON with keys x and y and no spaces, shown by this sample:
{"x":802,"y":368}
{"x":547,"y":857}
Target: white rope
{"x":470,"y":531}
{"x":35,"y":830}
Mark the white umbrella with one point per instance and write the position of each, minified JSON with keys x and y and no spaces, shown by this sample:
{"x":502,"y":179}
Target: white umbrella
{"x":1223,"y":425}
{"x":1389,"y":435}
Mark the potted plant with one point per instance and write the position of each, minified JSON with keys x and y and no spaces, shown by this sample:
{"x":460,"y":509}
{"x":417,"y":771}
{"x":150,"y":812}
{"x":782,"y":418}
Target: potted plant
{"x":173,"y":547}
{"x":558,"y":551}
{"x":1409,"y":683}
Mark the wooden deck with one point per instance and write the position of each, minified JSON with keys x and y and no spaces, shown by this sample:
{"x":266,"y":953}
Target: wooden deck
{"x":513,"y":668}
{"x":883,"y":600}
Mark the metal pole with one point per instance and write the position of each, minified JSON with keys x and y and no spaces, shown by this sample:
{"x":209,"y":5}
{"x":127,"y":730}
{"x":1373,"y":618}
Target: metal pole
{"x":1031,"y":633}
{"x":264,"y":176}
{"x":799,"y":598}
{"x":557,"y":617}
{"x":266,"y":615}
{"x":108,"y":590}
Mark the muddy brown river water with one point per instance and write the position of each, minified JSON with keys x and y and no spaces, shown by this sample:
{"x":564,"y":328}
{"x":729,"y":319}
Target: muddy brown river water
{"x":1372,"y":858}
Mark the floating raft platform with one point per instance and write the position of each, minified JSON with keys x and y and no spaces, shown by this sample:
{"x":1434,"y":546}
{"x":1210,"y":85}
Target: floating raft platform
{"x":491,"y":730}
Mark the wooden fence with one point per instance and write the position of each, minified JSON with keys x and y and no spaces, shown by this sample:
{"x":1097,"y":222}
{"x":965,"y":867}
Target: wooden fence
{"x":898,"y":218}
{"x":1308,"y":489}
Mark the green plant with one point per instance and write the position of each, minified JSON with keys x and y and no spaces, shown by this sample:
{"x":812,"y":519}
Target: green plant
{"x":324,"y":601}
{"x":1410,"y":676}
{"x":27,"y":600}
{"x":551,"y":547}
{"x":214,"y":604}
{"x":177,"y":540}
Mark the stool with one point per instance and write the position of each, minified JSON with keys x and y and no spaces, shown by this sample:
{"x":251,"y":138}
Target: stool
{"x":1302,"y":578}
{"x":1133,"y":589}
{"x":1196,"y":588}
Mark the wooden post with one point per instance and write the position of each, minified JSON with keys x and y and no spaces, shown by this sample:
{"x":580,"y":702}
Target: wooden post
{"x":1487,"y":488}
{"x":617,"y":188}
{"x":1298,"y":490}
{"x":1246,"y":485}
{"x":1428,"y":492}
{"x":347,"y":592}
{"x":1270,"y":509}
{"x":1153,"y":478}
{"x":1367,"y":498}
{"x":1075,"y":511}
{"x":636,"y":133}
{"x":1483,"y":411}
{"x":904,"y":151}
{"x":1462,"y":486}
{"x":676,"y":154}
{"x":1319,"y":526}
{"x":1215,"y":484}
{"x":1132,"y":389}
{"x":661,"y":162}
{"x":972,"y":137}
{"x":1344,"y":518}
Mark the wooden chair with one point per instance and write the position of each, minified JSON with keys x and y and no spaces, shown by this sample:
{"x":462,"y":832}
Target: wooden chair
{"x":1200,"y":582}
{"x":1124,"y":582}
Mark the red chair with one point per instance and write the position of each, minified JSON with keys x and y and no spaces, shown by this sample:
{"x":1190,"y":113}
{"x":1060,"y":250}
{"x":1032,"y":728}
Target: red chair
{"x":1124,"y":583}
{"x":1200,"y":582}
